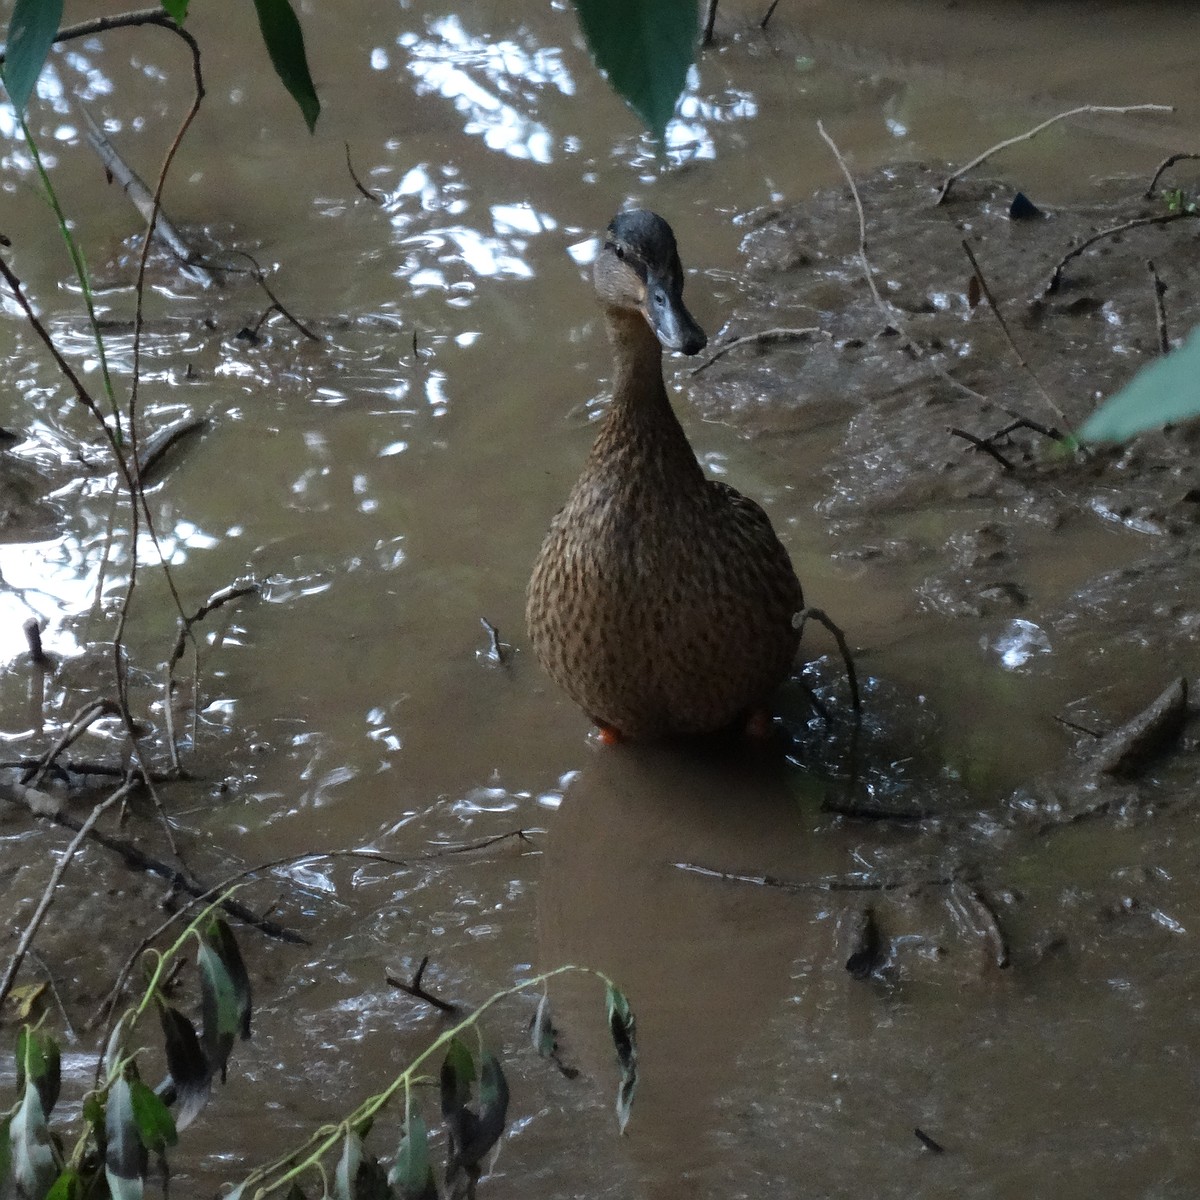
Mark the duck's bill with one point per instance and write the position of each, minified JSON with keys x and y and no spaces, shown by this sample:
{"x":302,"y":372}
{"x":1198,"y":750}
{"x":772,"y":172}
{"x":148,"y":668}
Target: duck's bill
{"x":673,"y":325}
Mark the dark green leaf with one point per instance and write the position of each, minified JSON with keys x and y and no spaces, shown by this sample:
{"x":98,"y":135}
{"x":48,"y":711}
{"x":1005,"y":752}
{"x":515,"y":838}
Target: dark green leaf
{"x":220,"y":937}
{"x":154,"y":1123}
{"x":285,"y":44}
{"x":493,"y":1112}
{"x":68,"y":1186}
{"x":33,"y":1165}
{"x":5,"y":1158}
{"x":412,"y":1172}
{"x":1165,"y":390}
{"x":31,"y":32}
{"x":622,"y":1026}
{"x":40,"y":1063}
{"x":176,"y":10}
{"x":190,"y":1073}
{"x":125,"y":1157}
{"x":458,"y":1073}
{"x":645,"y":47}
{"x":224,"y":994}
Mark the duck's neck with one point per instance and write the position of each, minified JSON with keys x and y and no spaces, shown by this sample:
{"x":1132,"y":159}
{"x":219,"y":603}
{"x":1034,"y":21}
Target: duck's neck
{"x":641,"y":423}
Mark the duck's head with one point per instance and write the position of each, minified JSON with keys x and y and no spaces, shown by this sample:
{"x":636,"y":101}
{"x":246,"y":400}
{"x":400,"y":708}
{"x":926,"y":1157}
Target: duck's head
{"x":639,"y":270}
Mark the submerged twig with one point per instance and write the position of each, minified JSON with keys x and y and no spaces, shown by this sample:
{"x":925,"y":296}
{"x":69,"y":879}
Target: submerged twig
{"x":837,"y":883}
{"x":766,"y":17}
{"x":1113,"y":231}
{"x":928,"y":1142}
{"x":818,"y":615}
{"x":418,"y":992}
{"x":56,"y":875}
{"x":951,"y":179}
{"x":1021,"y":360}
{"x":710,"y":19}
{"x":761,"y":338}
{"x":1160,"y":290}
{"x":261,"y":279}
{"x":370,"y":195}
{"x":497,"y":651}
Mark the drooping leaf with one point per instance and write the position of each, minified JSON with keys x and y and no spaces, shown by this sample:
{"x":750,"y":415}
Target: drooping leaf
{"x":541,"y":1029}
{"x":347,"y":1168}
{"x":190,"y":1073}
{"x":645,"y":47}
{"x":125,"y":1156}
{"x":1168,"y":389}
{"x":176,"y":10}
{"x":39,"y":1062}
{"x":412,"y":1173}
{"x":31,"y":32}
{"x":224,"y":994}
{"x":493,"y":1113}
{"x":115,"y":1049}
{"x":458,"y":1073}
{"x":33,"y":1166}
{"x":68,"y":1186}
{"x":154,"y":1123}
{"x":285,"y":44}
{"x":621,"y":1025}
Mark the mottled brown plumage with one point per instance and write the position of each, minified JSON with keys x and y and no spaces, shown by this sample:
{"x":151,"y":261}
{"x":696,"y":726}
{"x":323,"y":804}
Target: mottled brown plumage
{"x":661,"y":601}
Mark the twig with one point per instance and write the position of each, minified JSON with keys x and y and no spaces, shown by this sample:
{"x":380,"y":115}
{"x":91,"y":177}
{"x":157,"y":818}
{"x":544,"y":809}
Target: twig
{"x":80,"y":722}
{"x":950,"y":180}
{"x":974,"y":902}
{"x":261,"y":279}
{"x":766,"y":17}
{"x":415,"y":989}
{"x":928,"y":1142}
{"x":710,"y":19}
{"x":763,"y":337}
{"x":983,"y":444}
{"x":56,"y":875}
{"x":1092,"y":733}
{"x":495,"y":653}
{"x":370,"y":195}
{"x":987,"y":292}
{"x":217,"y":600}
{"x":1113,"y":231}
{"x":888,"y":310}
{"x":1160,"y":290}
{"x":1166,"y":165}
{"x":33,"y":639}
{"x":837,"y":883}
{"x":818,"y":615}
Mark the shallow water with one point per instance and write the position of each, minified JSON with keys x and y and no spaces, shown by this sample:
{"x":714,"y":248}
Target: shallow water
{"x":390,"y":483}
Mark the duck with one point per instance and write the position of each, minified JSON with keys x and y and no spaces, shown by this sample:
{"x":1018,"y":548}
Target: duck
{"x":662,"y":602}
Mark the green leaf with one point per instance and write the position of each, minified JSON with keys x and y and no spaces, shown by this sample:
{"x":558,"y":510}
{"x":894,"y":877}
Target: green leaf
{"x":622,"y":1026}
{"x":493,"y":1111}
{"x":125,"y":1157}
{"x":285,"y":44}
{"x":40,"y":1063}
{"x":68,"y":1186}
{"x":224,"y":994}
{"x":344,"y":1183}
{"x":33,"y":1165}
{"x":645,"y":47}
{"x":191,"y":1075}
{"x":458,"y":1073}
{"x":412,"y":1172}
{"x":31,"y":32}
{"x":1168,"y":389}
{"x":176,"y":10}
{"x":154,"y":1123}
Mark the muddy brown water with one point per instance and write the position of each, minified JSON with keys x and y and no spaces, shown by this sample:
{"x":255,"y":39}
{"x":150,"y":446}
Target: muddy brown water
{"x":390,"y":501}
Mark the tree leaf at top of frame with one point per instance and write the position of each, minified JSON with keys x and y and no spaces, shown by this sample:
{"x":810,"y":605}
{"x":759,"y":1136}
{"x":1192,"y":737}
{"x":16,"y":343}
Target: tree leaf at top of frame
{"x":1165,"y":390}
{"x":31,"y":32}
{"x":285,"y":44}
{"x":646,"y":48}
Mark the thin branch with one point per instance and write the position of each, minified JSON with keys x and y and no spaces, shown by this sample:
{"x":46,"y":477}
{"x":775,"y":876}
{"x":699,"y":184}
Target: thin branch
{"x":261,"y":279}
{"x":710,"y":19}
{"x":766,"y":17}
{"x":415,"y":989}
{"x":816,"y":614}
{"x":1166,"y":165}
{"x":56,"y":875}
{"x":217,"y":600}
{"x":987,"y":292}
{"x":982,"y":444}
{"x":762,"y":338}
{"x":80,"y":722}
{"x":374,"y":197}
{"x":1097,"y":109}
{"x":836,"y":883}
{"x":1160,"y":290}
{"x":1112,"y":231}
{"x":890,"y":316}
